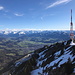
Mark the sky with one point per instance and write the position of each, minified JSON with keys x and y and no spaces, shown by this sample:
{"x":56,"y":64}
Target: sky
{"x":36,"y":14}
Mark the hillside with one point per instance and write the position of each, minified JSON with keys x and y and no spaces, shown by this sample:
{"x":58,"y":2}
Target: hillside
{"x":16,"y":44}
{"x":56,"y":59}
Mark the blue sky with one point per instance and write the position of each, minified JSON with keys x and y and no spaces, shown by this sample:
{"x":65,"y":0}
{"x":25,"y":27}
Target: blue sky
{"x":36,"y":14}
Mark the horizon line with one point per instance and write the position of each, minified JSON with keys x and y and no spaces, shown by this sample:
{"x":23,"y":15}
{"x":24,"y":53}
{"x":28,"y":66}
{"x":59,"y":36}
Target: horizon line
{"x":32,"y":29}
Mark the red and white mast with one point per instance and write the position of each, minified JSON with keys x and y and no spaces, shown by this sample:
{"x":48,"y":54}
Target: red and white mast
{"x":71,"y":28}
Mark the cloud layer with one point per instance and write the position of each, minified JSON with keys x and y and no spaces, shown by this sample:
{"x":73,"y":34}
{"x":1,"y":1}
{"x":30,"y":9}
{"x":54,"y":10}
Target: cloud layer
{"x":58,"y":3}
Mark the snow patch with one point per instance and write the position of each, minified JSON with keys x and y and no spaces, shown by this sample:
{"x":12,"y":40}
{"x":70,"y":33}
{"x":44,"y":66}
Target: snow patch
{"x":37,"y":71}
{"x":42,"y":52}
{"x":72,"y":43}
{"x":54,"y":67}
{"x":40,"y":62}
{"x":57,"y":53}
{"x":64,"y":58}
{"x":65,"y":43}
{"x":61,"y":60}
{"x":67,"y":48}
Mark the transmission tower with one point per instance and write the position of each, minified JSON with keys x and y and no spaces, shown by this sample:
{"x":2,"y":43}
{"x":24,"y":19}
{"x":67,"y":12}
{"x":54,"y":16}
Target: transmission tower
{"x":71,"y":29}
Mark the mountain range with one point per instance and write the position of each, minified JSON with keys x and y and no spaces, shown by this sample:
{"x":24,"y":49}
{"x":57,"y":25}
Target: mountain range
{"x":24,"y":31}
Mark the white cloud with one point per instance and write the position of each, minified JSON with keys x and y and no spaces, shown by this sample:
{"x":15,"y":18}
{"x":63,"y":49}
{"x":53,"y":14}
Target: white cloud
{"x":58,"y":3}
{"x":1,"y":7}
{"x":16,"y":14}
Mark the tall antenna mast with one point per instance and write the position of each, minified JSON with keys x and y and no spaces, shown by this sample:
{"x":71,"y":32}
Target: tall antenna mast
{"x":71,"y":28}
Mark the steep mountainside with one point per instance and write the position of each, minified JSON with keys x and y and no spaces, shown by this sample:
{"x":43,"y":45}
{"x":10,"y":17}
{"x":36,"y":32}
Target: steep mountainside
{"x":56,"y":59}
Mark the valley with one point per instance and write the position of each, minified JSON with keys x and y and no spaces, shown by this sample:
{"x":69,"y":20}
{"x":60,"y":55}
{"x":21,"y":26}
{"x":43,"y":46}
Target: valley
{"x":15,"y":46}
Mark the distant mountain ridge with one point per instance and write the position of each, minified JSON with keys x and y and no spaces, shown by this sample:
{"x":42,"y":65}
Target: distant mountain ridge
{"x":43,"y":34}
{"x":15,"y":31}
